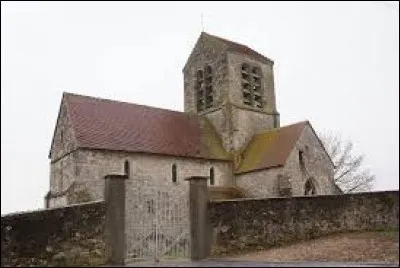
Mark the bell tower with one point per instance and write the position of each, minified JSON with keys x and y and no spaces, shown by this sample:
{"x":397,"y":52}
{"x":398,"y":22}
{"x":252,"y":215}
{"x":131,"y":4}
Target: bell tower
{"x":233,"y":86}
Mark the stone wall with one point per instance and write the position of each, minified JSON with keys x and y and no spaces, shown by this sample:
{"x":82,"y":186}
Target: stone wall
{"x":235,"y":122}
{"x":251,"y":224}
{"x":206,"y":52}
{"x":94,"y":165}
{"x":72,"y":236}
{"x":265,"y":183}
{"x":90,"y":167}
{"x":63,"y":140}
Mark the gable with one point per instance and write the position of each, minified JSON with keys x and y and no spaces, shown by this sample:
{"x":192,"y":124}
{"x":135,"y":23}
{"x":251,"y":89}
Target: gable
{"x":310,"y":139}
{"x":204,"y":45}
{"x":63,"y":141}
{"x":270,"y":148}
{"x":206,"y":40}
{"x":120,"y":126}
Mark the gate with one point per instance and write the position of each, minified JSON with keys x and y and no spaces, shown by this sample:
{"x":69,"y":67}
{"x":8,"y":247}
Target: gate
{"x":157,"y":220}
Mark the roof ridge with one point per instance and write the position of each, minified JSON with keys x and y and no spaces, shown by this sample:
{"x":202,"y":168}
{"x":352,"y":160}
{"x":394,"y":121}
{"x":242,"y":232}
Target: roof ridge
{"x":266,"y":131}
{"x":124,"y":102}
{"x":226,"y":40}
{"x":236,"y":44}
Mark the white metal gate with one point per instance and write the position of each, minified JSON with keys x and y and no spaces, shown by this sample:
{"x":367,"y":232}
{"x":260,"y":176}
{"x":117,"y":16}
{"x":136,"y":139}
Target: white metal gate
{"x":157,"y":222}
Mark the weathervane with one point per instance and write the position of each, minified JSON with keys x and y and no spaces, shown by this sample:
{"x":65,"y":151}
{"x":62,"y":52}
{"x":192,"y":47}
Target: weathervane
{"x":202,"y":25}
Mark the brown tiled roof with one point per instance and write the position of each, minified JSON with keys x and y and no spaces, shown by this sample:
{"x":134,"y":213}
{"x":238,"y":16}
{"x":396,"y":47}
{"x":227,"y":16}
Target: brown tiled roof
{"x":271,"y":148}
{"x":119,"y":126}
{"x":236,"y":47}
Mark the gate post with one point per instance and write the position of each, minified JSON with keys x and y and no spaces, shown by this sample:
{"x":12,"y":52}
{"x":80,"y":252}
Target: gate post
{"x":200,"y":228}
{"x":114,"y":196}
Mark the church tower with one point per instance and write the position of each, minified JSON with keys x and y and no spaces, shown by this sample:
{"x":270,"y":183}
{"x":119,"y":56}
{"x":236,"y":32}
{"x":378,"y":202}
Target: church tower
{"x":233,"y":86}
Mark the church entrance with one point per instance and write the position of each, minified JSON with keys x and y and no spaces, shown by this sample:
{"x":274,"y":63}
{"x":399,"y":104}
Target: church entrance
{"x":157,"y":220}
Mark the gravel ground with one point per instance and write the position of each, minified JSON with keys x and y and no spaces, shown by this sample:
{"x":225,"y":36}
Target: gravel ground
{"x":350,"y":247}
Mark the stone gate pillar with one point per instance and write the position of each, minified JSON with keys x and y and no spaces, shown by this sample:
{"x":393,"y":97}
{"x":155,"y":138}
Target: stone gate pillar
{"x":114,"y":196}
{"x":200,"y":227}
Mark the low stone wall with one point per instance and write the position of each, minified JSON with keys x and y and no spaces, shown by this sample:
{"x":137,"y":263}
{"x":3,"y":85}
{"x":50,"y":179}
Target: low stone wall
{"x":251,"y":224}
{"x":71,"y":236}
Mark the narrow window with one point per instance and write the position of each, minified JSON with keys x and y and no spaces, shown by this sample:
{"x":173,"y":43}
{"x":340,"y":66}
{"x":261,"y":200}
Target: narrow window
{"x":173,"y":173}
{"x":126,"y":168}
{"x":301,"y":159}
{"x":150,"y":206}
{"x":212,"y":176}
{"x":309,"y":187}
{"x":199,"y":88}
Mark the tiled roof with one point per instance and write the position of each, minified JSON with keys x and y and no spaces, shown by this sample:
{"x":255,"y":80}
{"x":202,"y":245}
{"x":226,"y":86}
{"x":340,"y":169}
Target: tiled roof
{"x":236,"y":47}
{"x":119,"y":126}
{"x":271,"y":148}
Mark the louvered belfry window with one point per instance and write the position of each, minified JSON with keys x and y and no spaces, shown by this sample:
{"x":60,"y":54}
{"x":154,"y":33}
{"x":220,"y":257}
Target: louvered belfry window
{"x":251,"y":86}
{"x":204,"y":89}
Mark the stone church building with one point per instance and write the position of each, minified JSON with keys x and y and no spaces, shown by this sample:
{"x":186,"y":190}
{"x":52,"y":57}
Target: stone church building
{"x":229,"y":131}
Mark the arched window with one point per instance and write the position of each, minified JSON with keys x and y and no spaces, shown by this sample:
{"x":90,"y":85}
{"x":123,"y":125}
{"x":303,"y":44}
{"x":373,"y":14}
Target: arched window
{"x":212,"y":179}
{"x":126,"y":168}
{"x":204,"y":89}
{"x":309,"y":187}
{"x":173,"y":173}
{"x":251,"y":85}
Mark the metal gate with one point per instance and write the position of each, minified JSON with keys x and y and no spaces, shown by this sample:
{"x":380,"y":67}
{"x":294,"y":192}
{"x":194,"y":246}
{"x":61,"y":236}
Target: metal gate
{"x":157,"y":221}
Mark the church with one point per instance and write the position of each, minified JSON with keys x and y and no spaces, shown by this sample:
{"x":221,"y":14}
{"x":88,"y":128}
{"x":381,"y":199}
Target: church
{"x":229,"y":131}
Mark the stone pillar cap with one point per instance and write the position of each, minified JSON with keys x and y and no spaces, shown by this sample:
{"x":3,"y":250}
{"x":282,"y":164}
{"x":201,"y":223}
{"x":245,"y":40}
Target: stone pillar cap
{"x":116,"y":176}
{"x":196,"y":178}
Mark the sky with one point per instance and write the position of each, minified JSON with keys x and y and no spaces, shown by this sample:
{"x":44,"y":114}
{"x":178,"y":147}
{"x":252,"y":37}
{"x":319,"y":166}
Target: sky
{"x":336,"y":65}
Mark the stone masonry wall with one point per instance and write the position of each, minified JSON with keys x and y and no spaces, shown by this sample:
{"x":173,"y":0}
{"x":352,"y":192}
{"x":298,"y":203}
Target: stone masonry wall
{"x":62,"y":165}
{"x":64,"y":141}
{"x":235,"y":62}
{"x":252,"y":224}
{"x":93,"y":165}
{"x":212,"y":53}
{"x":249,"y":120}
{"x":71,"y":236}
{"x":264,"y":183}
{"x":235,"y":122}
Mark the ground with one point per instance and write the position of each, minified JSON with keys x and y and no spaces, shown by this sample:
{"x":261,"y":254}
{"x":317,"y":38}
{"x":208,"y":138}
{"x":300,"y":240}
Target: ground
{"x":380,"y":246}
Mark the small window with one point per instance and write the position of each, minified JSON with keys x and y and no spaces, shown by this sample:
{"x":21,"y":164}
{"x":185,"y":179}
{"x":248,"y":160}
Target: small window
{"x":173,"y":173}
{"x":212,"y":176}
{"x":301,"y":159}
{"x":150,"y":206}
{"x":309,"y":187}
{"x":126,"y":168}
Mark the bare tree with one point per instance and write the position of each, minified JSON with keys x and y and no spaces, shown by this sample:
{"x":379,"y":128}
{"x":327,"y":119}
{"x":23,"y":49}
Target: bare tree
{"x":349,"y":173}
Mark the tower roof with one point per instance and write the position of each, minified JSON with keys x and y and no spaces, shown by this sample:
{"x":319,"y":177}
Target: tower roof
{"x":239,"y":48}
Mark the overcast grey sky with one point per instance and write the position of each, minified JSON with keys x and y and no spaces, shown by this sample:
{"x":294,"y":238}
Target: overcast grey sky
{"x":336,"y":64}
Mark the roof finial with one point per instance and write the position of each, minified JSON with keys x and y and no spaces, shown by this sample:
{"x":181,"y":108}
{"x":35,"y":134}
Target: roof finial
{"x":202,"y":25}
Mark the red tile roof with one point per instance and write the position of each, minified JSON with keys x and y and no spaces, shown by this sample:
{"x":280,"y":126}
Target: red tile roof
{"x":120,"y":126}
{"x":236,"y":47}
